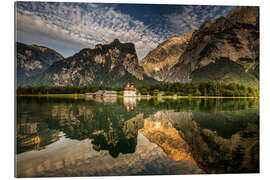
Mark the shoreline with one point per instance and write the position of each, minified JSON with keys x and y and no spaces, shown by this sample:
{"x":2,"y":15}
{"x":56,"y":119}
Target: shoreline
{"x":143,"y":97}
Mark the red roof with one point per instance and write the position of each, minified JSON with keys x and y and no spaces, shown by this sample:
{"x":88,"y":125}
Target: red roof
{"x":129,"y":89}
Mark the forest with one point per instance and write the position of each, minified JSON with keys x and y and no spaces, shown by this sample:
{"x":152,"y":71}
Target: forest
{"x":165,"y":89}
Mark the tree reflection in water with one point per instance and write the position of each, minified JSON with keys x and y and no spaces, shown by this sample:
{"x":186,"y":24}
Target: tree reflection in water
{"x":218,"y":135}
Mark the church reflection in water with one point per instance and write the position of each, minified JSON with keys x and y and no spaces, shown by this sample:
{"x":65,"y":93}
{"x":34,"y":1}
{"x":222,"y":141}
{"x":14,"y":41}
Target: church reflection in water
{"x":130,"y":103}
{"x":170,"y":137}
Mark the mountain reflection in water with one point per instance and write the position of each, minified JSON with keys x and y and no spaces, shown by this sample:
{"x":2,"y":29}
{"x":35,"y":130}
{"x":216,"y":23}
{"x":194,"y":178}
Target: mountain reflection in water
{"x":129,"y":136}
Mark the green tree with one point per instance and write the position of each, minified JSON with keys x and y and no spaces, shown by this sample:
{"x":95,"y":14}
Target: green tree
{"x":144,"y":91}
{"x":197,"y":92}
{"x":155,"y":92}
{"x":120,"y":93}
{"x":169,"y":93}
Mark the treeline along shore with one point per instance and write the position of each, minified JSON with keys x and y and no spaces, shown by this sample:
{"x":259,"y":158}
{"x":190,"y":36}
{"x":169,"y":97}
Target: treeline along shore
{"x":162,"y":89}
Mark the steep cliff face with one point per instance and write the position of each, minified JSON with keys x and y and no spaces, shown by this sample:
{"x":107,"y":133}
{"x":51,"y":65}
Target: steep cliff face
{"x":33,"y":59}
{"x":111,"y":64}
{"x":235,"y":37}
{"x":159,"y":61}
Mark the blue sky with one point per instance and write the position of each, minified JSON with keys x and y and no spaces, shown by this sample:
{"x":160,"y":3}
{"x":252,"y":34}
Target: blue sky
{"x":70,"y":27}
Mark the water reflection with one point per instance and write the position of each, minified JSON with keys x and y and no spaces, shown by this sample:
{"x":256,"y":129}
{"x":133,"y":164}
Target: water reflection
{"x":35,"y":136}
{"x":159,"y":130}
{"x":130,"y":103}
{"x":195,"y":135}
{"x":100,"y":99}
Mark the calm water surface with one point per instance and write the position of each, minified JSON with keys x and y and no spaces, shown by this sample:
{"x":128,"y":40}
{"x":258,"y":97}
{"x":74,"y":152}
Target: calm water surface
{"x":129,"y":136}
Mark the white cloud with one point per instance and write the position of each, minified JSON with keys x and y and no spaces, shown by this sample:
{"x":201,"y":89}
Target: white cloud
{"x":192,"y":17}
{"x":75,"y":26}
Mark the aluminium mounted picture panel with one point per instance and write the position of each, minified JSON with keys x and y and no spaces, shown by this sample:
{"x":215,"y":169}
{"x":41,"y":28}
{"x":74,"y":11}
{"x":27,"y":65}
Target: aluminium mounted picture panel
{"x":110,"y":89}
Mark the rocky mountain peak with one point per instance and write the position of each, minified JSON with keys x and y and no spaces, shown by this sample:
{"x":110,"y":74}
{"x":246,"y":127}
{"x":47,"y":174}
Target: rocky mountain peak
{"x":116,"y":42}
{"x":244,"y":14}
{"x":234,"y":37}
{"x":98,"y":46}
{"x":206,"y":24}
{"x":115,"y":63}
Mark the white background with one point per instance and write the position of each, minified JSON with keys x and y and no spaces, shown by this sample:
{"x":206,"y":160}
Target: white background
{"x":7,"y":89}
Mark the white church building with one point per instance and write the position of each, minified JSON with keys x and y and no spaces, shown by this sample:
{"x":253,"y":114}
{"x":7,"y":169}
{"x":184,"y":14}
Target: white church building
{"x":130,"y":90}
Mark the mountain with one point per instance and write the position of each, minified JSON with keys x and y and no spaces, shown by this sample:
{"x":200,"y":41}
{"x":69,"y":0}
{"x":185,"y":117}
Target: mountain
{"x":234,"y":37}
{"x":33,"y":59}
{"x":224,"y":70}
{"x":224,"y":50}
{"x":158,"y":62}
{"x":110,"y":64}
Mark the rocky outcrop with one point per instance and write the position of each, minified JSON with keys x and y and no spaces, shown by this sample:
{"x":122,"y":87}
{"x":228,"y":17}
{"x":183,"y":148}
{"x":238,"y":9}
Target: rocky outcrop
{"x":234,"y":37}
{"x":33,"y":59}
{"x":159,"y":61}
{"x":110,"y":64}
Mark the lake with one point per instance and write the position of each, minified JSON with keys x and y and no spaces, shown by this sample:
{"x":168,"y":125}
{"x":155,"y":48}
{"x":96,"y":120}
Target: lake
{"x":133,"y":136}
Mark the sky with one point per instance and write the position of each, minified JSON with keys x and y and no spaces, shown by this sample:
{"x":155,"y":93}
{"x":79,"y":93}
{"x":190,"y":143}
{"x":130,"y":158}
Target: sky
{"x":69,"y":27}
